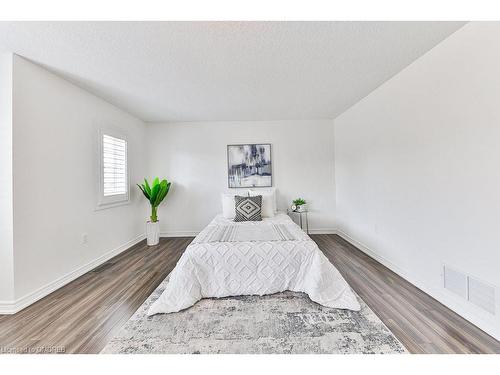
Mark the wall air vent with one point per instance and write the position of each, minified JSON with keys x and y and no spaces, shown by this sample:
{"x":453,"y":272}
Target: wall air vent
{"x":455,"y":282}
{"x":469,"y":288}
{"x":482,"y":295}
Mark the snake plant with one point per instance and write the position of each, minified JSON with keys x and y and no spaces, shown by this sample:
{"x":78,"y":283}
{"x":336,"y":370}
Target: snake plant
{"x":155,"y":194}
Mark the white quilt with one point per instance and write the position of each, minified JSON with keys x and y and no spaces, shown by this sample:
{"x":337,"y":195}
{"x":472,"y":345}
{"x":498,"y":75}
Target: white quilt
{"x":245,"y":264}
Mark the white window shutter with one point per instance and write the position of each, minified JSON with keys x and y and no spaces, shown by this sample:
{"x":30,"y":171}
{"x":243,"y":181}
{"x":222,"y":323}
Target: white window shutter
{"x":114,"y":164}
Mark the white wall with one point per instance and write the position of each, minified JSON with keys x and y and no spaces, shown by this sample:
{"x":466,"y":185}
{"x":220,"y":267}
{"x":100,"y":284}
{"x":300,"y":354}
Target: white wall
{"x":193,"y":156}
{"x":56,"y":181}
{"x":6,"y":214}
{"x":417,"y":168}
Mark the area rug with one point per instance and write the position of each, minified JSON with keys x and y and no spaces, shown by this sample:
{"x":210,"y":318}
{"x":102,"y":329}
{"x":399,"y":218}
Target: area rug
{"x":280,"y":323}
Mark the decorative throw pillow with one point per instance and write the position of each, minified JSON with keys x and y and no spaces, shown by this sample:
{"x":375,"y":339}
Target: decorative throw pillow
{"x":248,"y":208}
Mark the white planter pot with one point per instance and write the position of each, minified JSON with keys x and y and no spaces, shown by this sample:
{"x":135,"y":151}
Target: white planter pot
{"x":153,"y":233}
{"x":302,"y":208}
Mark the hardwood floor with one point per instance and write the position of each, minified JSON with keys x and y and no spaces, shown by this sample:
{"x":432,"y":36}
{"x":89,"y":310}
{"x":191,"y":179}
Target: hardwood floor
{"x":84,"y":315}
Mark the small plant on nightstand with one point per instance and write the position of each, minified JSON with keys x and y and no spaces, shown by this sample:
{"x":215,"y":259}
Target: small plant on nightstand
{"x":299,"y":205}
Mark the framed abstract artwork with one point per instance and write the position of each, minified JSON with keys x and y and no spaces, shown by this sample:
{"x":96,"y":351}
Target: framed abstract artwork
{"x":249,"y":165}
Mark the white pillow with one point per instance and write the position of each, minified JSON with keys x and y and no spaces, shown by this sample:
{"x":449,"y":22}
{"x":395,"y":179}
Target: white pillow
{"x":267,"y":209}
{"x":228,"y":205}
{"x":268,"y":201}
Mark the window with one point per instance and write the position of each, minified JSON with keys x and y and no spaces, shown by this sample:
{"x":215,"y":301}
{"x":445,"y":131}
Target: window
{"x":113,"y":182}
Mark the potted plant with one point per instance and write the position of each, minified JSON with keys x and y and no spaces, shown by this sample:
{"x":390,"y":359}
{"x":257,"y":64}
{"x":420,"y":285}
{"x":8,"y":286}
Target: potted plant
{"x":299,"y":205}
{"x":155,"y":195}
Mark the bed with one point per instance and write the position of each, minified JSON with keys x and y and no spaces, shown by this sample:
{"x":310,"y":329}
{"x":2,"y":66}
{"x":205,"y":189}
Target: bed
{"x":253,"y":258}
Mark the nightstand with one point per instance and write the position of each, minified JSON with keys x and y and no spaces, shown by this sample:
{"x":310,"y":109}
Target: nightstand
{"x":302,"y":216}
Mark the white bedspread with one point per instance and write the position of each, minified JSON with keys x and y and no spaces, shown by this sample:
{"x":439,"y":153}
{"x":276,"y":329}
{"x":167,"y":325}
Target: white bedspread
{"x":253,"y":262}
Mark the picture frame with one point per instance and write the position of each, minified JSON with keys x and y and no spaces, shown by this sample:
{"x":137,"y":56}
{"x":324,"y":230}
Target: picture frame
{"x":249,"y":165}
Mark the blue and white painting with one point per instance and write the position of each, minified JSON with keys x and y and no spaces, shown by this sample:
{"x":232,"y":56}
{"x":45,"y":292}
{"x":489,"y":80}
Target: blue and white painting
{"x":249,"y":165}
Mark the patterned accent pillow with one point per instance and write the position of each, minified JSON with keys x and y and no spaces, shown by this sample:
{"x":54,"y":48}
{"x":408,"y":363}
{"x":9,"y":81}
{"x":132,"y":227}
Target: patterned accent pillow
{"x":248,"y":208}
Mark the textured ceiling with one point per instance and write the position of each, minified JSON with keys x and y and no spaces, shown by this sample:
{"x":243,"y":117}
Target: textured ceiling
{"x":191,"y":71}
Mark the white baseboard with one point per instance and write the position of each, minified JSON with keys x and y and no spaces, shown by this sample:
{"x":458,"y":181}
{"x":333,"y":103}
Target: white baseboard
{"x":12,"y":307}
{"x":462,"y":308}
{"x":323,"y":231}
{"x":180,"y":233}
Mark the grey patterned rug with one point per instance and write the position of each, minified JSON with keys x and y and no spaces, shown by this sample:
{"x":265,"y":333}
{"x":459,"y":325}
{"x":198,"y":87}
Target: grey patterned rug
{"x":279,"y":323}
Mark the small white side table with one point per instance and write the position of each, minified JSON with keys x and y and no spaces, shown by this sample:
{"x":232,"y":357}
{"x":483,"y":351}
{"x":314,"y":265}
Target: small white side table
{"x":303,"y":218}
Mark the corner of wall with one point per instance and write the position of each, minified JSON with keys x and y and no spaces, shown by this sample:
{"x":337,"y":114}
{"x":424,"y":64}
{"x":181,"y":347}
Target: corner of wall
{"x":6,"y":193}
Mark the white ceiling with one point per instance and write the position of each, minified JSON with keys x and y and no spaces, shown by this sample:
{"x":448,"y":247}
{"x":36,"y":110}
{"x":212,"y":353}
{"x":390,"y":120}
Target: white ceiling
{"x":193,"y":71}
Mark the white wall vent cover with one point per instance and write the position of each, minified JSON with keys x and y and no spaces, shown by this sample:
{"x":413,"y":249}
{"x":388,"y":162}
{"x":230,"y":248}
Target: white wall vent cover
{"x":455,"y":282}
{"x":482,"y":295}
